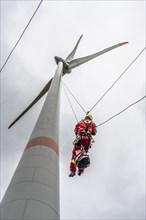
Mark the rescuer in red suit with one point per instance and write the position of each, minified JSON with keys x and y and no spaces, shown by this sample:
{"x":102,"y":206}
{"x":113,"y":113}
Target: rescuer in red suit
{"x":84,"y":130}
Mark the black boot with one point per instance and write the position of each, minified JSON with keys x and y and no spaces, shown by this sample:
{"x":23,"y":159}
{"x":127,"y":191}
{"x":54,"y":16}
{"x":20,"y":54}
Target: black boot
{"x":80,"y":172}
{"x":73,"y":173}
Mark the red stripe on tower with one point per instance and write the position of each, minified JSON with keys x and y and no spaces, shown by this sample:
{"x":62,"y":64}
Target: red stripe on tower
{"x":43,"y":141}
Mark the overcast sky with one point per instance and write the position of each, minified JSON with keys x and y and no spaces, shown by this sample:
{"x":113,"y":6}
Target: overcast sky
{"x":113,"y":186}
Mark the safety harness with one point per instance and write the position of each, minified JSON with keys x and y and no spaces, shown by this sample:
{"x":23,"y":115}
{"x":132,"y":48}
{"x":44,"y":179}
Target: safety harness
{"x":83,"y":133}
{"x":86,"y":132}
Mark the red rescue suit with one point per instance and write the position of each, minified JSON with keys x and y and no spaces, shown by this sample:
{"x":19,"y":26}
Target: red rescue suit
{"x":84,"y":131}
{"x":86,"y":125}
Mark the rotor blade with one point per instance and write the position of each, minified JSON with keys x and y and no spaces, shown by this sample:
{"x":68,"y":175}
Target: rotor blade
{"x":71,"y":55}
{"x":44,"y":90}
{"x":79,"y":61}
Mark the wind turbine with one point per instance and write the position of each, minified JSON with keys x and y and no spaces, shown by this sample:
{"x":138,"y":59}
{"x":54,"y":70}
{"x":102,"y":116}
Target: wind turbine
{"x":68,"y":65}
{"x":33,"y":192}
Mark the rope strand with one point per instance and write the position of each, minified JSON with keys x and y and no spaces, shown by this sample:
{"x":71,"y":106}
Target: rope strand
{"x":121,"y":111}
{"x":21,"y":36}
{"x":117,"y":80}
{"x":73,"y":96}
{"x":70,"y":103}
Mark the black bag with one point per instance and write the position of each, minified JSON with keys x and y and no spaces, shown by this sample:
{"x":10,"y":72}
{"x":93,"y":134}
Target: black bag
{"x":83,"y":161}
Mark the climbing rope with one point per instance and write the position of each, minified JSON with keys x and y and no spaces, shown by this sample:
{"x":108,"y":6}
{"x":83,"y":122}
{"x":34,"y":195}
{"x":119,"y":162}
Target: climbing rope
{"x":104,"y":95}
{"x":69,"y":102}
{"x":121,"y":111}
{"x":111,"y":116}
{"x":21,"y":35}
{"x":117,"y":80}
{"x":108,"y":118}
{"x":73,"y":96}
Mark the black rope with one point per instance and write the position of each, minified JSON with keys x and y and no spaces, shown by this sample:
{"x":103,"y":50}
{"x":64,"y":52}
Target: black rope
{"x":21,"y":36}
{"x":70,"y":103}
{"x":117,"y":80}
{"x":121,"y":111}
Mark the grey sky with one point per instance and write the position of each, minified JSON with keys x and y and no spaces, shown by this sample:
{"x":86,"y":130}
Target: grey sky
{"x":113,"y":187}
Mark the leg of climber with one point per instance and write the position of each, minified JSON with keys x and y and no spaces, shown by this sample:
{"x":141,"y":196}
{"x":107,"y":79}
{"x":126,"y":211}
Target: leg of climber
{"x":72,"y":164}
{"x":80,"y":171}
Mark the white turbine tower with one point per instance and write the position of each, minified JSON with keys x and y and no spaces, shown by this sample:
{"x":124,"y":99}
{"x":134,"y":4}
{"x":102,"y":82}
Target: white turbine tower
{"x":33,"y":192}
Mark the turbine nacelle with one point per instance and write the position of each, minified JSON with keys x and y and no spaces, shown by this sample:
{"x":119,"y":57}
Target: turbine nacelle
{"x":65,"y":64}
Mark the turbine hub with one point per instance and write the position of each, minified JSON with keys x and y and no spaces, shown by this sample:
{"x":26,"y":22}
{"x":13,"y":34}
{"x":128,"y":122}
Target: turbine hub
{"x":65,"y":64}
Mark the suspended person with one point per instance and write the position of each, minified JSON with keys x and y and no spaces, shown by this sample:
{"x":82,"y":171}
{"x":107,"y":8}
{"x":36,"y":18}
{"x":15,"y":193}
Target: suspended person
{"x":84,"y":130}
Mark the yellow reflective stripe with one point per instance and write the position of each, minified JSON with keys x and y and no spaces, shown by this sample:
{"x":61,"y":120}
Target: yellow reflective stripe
{"x":87,"y":121}
{"x":73,"y":161}
{"x":82,"y":131}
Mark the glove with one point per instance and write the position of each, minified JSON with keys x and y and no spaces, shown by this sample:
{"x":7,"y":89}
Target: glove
{"x":88,"y":133}
{"x":78,"y":137}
